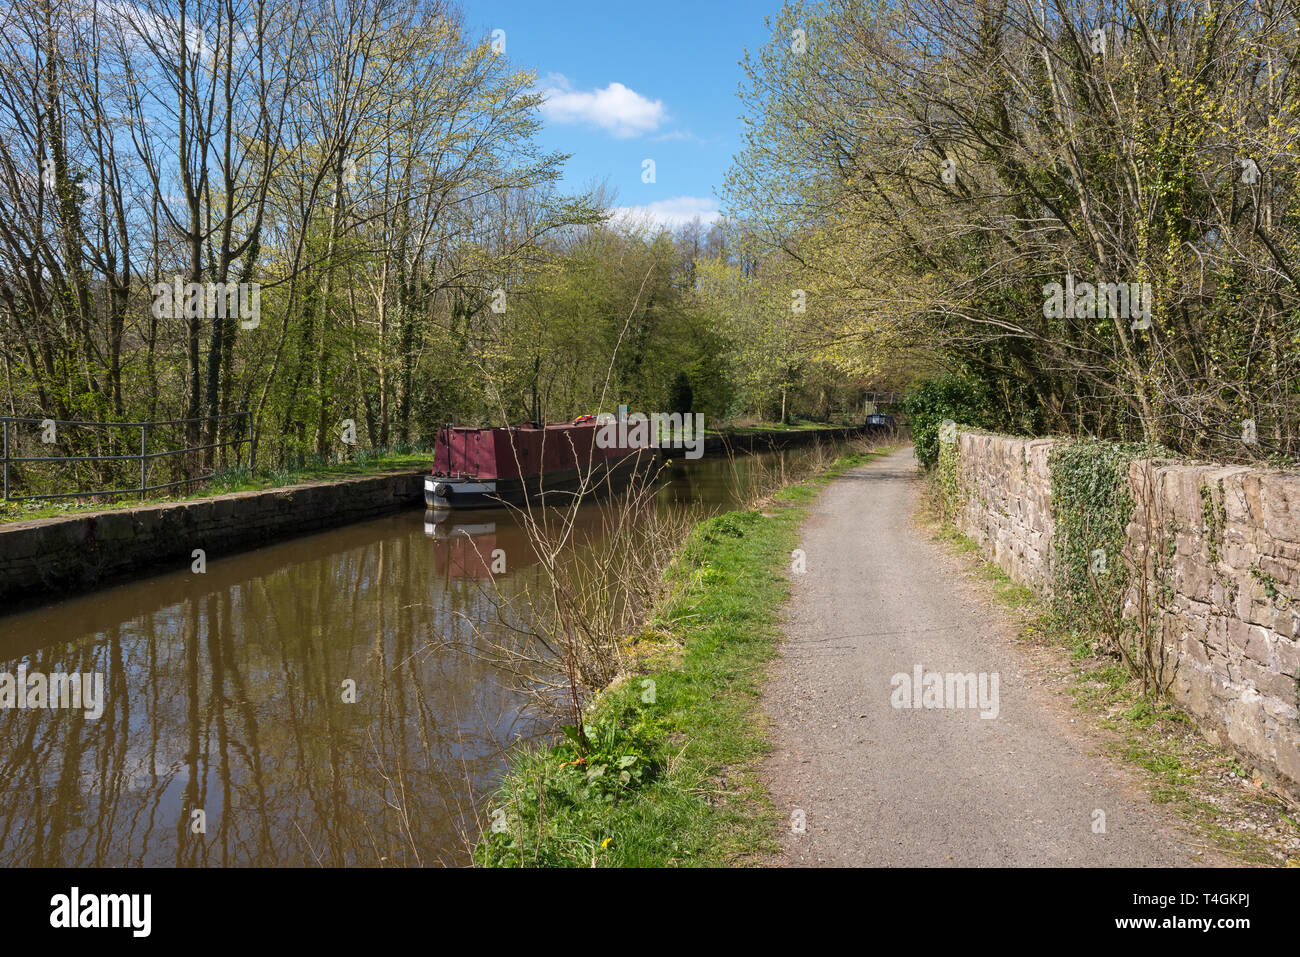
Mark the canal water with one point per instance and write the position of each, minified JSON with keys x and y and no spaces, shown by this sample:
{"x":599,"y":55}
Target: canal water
{"x":315,"y":702}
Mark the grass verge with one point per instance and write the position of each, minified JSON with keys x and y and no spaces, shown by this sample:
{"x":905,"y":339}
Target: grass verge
{"x":1232,"y":808}
{"x":796,"y":424}
{"x":318,"y":469}
{"x":672,"y":775}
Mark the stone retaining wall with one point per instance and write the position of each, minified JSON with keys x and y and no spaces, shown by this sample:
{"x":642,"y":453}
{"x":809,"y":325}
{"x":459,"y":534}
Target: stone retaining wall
{"x":1226,"y":541}
{"x":49,"y":558}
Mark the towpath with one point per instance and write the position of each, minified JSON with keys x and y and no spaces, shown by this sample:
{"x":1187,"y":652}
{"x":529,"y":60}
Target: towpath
{"x":872,"y":784}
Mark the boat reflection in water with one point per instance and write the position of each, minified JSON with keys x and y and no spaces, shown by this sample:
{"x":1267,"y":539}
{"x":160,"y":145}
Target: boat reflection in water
{"x":471,"y":547}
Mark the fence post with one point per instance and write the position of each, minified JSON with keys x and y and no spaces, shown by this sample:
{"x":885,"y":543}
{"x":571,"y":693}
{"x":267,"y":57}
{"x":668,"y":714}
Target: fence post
{"x":6,"y":425}
{"x":252,"y":444}
{"x":144,"y":440}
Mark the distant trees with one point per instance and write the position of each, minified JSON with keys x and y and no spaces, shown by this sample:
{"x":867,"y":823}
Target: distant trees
{"x":785,"y":332}
{"x":373,"y":170}
{"x":931,"y":167}
{"x":615,"y":303}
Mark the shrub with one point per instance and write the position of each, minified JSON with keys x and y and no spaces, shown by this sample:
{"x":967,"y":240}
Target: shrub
{"x":947,"y":397}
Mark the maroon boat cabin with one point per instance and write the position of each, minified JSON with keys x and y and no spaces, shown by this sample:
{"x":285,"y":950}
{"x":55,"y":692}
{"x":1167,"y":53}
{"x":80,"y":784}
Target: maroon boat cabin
{"x":482,"y":468}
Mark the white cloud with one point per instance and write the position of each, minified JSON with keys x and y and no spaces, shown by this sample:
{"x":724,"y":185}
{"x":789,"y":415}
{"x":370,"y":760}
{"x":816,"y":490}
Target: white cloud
{"x":669,"y":213}
{"x":620,"y":111}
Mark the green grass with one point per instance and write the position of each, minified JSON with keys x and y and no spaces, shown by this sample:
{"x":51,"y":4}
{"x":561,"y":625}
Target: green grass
{"x":795,"y":424}
{"x":364,"y":462}
{"x":697,"y":746}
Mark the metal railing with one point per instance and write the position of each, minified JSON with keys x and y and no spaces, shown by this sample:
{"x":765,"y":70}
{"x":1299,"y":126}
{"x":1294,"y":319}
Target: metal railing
{"x":885,"y":398}
{"x":9,"y":425}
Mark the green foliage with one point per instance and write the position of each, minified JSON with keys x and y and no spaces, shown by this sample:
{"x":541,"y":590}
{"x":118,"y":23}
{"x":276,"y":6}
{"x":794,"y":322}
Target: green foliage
{"x":946,"y":482}
{"x":617,"y":756}
{"x":578,"y":781}
{"x":681,"y":397}
{"x":1091,"y":507}
{"x":946,"y":397}
{"x":1215,"y":516}
{"x":612,"y":319}
{"x":727,"y":525}
{"x":1269,"y":582}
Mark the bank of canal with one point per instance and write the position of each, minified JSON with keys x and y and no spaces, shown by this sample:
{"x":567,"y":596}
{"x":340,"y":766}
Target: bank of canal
{"x":56,"y":557}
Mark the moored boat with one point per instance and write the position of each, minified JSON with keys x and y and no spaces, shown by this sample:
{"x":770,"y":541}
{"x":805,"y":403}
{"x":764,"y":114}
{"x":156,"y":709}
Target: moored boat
{"x":484,"y":467}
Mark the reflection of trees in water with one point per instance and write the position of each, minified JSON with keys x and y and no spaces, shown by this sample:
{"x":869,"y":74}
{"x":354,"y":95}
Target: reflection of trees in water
{"x":232,"y":702}
{"x":224,"y":692}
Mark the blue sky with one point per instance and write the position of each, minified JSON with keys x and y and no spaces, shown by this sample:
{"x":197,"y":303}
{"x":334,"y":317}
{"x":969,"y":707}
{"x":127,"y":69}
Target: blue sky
{"x":631,"y":81}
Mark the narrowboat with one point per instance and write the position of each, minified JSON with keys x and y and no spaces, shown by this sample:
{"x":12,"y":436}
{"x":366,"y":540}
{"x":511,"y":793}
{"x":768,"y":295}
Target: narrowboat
{"x":485,"y":467}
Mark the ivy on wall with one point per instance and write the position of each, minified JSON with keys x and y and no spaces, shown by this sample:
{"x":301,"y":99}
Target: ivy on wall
{"x":1091,"y":507}
{"x":947,"y":479}
{"x":1214,"y":515}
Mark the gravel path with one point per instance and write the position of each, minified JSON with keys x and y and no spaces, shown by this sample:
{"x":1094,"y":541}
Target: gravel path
{"x":882,"y":785}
